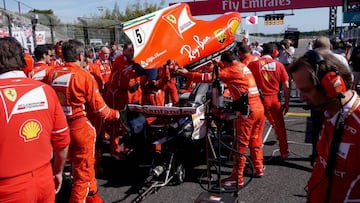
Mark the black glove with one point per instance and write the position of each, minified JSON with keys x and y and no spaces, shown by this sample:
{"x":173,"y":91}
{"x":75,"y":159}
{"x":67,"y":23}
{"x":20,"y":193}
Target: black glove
{"x":133,"y":88}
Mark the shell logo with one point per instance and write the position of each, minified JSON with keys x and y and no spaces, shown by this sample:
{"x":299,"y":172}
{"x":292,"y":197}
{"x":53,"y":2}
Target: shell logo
{"x":30,"y":130}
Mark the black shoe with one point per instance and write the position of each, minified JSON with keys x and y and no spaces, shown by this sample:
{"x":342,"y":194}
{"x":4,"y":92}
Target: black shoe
{"x":257,"y":174}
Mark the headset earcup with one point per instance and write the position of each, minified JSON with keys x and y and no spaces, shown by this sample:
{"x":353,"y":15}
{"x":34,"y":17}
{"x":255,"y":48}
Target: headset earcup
{"x":333,"y":84}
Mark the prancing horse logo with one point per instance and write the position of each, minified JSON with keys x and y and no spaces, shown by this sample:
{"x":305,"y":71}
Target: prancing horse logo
{"x":10,"y":94}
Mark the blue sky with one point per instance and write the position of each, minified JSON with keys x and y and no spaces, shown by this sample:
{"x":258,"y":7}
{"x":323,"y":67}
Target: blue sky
{"x":69,"y":10}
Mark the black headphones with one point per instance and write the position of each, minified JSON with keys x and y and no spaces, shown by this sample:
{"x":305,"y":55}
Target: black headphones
{"x":326,"y":77}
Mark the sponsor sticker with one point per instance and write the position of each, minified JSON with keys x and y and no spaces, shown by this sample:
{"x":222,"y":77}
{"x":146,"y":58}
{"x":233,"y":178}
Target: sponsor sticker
{"x":10,"y":94}
{"x":30,"y":130}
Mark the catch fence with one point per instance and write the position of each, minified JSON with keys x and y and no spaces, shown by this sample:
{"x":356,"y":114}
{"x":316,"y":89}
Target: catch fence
{"x":32,"y":29}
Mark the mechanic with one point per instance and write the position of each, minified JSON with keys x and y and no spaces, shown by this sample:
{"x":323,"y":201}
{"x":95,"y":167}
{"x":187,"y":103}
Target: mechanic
{"x":325,"y":85}
{"x":57,"y":59}
{"x":239,"y":81}
{"x":105,"y":67}
{"x":124,"y":88}
{"x":99,"y":123}
{"x":167,"y":81}
{"x":243,"y":51}
{"x":269,"y":76}
{"x":41,"y":67}
{"x":78,"y":90}
{"x":33,"y":129}
{"x":153,"y":93}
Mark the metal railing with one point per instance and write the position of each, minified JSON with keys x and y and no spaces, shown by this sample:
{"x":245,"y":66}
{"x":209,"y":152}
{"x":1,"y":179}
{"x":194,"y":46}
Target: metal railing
{"x":48,"y":29}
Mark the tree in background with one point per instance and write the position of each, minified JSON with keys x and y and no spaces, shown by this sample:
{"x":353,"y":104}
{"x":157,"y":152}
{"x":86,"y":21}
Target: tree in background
{"x":132,"y":11}
{"x":46,"y":17}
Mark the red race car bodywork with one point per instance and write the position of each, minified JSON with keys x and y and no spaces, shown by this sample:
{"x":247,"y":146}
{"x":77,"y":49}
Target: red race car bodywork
{"x":172,"y":33}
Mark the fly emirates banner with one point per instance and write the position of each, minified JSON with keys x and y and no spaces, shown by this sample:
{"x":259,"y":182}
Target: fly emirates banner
{"x":208,"y":7}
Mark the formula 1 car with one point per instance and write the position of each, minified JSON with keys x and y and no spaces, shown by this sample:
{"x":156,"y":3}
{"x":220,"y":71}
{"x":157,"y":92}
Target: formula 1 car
{"x":164,"y":142}
{"x":172,"y":33}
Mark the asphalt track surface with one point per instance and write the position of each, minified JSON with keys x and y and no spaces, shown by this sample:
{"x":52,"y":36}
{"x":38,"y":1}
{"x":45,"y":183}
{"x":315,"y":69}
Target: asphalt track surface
{"x":284,"y":181}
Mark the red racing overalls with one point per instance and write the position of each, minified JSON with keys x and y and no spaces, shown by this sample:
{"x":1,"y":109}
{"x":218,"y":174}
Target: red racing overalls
{"x":77,"y":90}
